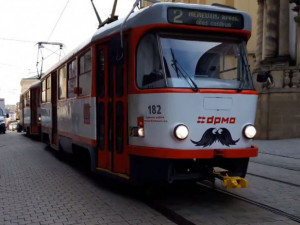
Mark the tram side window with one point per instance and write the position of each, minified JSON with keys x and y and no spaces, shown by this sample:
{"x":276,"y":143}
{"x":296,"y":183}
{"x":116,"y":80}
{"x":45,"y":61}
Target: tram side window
{"x":72,"y":76}
{"x":85,"y":74}
{"x":148,"y":66}
{"x":48,"y":95}
{"x":21,"y":104}
{"x":27,"y":99}
{"x":101,"y":73}
{"x":44,"y":91}
{"x":62,"y":83}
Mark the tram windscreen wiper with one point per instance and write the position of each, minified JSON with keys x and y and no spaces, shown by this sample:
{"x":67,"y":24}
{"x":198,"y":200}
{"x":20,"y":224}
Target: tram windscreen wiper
{"x":243,"y":69}
{"x":181,"y":73}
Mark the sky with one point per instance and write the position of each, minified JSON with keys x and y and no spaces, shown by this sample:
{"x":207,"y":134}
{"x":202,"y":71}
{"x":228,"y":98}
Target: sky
{"x":24,"y":23}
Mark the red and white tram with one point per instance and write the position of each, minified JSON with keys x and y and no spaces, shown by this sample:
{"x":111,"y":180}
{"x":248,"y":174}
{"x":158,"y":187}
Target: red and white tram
{"x":30,"y":117}
{"x":171,"y":98}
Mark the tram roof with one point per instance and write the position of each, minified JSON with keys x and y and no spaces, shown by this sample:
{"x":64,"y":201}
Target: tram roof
{"x":154,"y":14}
{"x":158,"y":14}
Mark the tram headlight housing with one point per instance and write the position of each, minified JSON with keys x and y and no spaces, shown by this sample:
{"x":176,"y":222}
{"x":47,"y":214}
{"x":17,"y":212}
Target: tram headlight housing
{"x":141,"y":132}
{"x":181,"y":132}
{"x":249,"y":131}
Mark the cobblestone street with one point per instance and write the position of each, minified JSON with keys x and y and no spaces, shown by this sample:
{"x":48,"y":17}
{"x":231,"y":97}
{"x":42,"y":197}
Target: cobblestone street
{"x":38,"y":189}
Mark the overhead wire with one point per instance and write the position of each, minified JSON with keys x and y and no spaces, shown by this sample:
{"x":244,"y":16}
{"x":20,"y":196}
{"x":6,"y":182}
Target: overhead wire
{"x":42,"y":46}
{"x":58,"y":20}
{"x":17,"y":40}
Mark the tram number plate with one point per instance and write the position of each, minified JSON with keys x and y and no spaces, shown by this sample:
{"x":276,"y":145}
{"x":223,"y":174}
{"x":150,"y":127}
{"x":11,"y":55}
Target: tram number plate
{"x":154,"y":109}
{"x":205,"y":18}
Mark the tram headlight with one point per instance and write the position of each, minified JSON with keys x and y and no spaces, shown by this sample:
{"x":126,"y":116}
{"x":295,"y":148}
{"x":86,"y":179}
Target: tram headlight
{"x":249,"y":131}
{"x":140,"y":132}
{"x":181,"y":132}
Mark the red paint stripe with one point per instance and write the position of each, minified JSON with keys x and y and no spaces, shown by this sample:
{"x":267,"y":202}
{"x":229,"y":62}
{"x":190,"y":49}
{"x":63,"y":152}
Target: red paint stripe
{"x":46,"y":129}
{"x":191,"y":154}
{"x":238,"y":153}
{"x":89,"y":141}
{"x":202,"y":91}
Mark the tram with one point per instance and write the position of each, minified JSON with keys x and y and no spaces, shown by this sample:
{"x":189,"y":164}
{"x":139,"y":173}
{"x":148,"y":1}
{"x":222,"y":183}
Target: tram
{"x":30,"y":117}
{"x":163,"y":95}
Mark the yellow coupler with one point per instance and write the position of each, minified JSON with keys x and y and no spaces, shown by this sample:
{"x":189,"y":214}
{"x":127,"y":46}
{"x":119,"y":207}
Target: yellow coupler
{"x":231,"y":182}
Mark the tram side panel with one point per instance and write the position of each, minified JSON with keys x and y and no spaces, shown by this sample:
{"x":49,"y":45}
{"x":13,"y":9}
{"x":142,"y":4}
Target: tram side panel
{"x":35,"y":128}
{"x":46,"y":121}
{"x":76,"y":120}
{"x":26,"y":112}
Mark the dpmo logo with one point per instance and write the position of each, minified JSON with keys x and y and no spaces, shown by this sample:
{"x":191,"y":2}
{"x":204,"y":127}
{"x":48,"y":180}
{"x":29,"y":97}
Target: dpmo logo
{"x":216,"y":120}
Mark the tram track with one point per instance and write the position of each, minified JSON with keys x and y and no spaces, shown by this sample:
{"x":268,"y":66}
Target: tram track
{"x":276,"y":166}
{"x":176,"y":216}
{"x":169,"y":213}
{"x":252,"y":202}
{"x":283,"y":156}
{"x":275,"y":180}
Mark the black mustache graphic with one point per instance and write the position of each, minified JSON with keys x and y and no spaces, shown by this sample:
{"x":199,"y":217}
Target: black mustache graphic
{"x":212,"y":135}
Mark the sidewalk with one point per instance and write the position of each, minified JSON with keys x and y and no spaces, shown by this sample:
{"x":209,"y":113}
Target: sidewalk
{"x":285,"y":147}
{"x":284,"y":153}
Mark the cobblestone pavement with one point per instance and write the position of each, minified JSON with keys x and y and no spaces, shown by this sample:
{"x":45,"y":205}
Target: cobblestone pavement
{"x":278,"y":160}
{"x":38,"y":189}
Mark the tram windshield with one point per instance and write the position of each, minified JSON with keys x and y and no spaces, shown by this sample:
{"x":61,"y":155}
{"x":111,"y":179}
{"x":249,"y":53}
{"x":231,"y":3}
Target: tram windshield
{"x":167,"y":62}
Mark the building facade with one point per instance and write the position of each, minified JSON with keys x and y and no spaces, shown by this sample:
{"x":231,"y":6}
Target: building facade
{"x":278,"y":53}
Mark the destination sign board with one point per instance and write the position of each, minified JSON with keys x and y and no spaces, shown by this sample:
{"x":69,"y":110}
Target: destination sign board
{"x":205,"y":18}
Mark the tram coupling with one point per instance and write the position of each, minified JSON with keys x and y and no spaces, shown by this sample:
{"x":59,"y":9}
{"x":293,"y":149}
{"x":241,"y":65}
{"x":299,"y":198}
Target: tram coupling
{"x":230,"y":182}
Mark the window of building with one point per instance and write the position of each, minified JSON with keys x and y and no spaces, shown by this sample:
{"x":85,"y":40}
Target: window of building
{"x":85,"y":74}
{"x":62,"y":88}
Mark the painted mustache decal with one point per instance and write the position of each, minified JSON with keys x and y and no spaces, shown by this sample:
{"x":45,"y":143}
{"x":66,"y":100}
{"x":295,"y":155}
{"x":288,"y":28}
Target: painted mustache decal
{"x":212,"y":135}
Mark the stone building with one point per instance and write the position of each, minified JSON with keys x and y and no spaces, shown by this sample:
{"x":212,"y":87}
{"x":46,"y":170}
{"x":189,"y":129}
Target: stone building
{"x":27,"y":82}
{"x":278,"y":52}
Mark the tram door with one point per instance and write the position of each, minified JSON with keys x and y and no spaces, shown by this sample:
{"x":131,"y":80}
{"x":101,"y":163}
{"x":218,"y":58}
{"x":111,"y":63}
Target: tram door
{"x":54,"y":107}
{"x":111,"y":113}
{"x":33,"y":110}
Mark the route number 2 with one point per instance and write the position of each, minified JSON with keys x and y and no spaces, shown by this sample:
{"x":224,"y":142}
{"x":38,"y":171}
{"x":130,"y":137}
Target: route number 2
{"x":178,"y":16}
{"x":154,"y":109}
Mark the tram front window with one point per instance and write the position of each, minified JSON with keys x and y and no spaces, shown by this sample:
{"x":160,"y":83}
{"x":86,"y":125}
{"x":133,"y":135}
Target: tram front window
{"x":190,"y":63}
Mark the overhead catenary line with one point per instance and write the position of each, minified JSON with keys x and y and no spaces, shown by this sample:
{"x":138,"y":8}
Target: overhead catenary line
{"x":40,"y":55}
{"x":58,"y":20}
{"x":17,"y":40}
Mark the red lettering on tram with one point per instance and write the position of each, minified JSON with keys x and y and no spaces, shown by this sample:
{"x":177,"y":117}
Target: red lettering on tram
{"x":216,"y":120}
